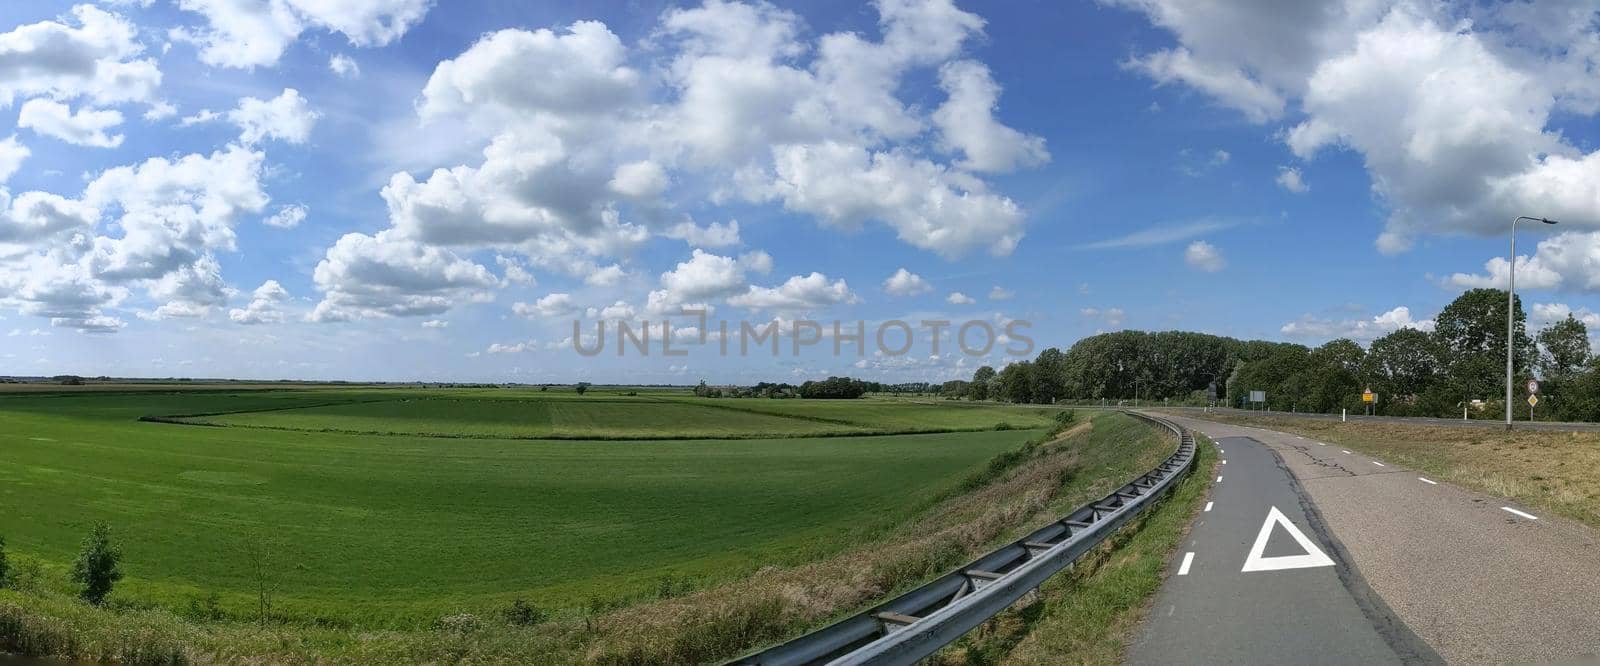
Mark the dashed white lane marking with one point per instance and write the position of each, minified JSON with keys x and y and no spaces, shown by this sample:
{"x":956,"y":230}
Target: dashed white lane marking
{"x":1345,"y":451}
{"x":1224,"y":462}
{"x":1529,"y":516}
{"x":1322,"y":443}
{"x":1379,"y":464}
{"x":1208,"y":505}
{"x":1298,"y":437}
{"x":1428,"y":481}
{"x":1219,"y":479}
{"x":1170,"y":609}
{"x":1188,"y":559}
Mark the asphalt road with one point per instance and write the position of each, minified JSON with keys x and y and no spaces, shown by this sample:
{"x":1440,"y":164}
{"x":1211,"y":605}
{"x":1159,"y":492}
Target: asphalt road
{"x":1421,"y":570}
{"x":1256,"y":582}
{"x":1492,"y":424}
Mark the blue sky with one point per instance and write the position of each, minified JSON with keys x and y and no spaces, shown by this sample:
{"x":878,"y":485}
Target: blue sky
{"x":407,"y":190}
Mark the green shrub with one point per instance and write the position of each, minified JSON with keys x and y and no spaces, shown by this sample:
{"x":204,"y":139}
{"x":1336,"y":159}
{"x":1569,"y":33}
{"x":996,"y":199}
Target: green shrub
{"x":523,"y":614}
{"x":5,"y":569}
{"x":96,"y":569}
{"x":1066,"y":417}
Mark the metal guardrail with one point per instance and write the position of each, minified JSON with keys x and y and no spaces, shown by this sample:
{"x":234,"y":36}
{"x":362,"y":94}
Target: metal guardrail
{"x":918,"y":623}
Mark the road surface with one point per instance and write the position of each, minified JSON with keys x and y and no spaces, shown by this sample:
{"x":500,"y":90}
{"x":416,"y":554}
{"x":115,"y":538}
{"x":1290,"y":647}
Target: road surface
{"x":1388,"y":567}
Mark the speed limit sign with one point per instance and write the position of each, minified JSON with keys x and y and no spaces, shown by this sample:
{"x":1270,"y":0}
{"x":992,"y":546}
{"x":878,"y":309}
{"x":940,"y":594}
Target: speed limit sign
{"x":1533,"y":387}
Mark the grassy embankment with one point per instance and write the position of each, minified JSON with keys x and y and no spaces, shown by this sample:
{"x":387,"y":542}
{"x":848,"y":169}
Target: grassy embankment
{"x":1556,"y":471}
{"x":1090,"y":613}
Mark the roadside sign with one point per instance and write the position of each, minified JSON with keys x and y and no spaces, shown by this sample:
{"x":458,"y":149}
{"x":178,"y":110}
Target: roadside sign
{"x":1258,"y":396}
{"x":1533,"y":400}
{"x":1533,"y":387}
{"x":1369,"y":396}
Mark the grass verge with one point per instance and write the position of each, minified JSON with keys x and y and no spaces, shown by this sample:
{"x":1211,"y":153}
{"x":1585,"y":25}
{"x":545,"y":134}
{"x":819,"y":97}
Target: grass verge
{"x":1089,"y":613}
{"x":1550,"y":470}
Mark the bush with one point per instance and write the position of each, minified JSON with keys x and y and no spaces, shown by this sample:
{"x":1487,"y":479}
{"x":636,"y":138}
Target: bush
{"x":523,"y":614}
{"x":1066,"y":417}
{"x":460,"y":624}
{"x":5,"y":569}
{"x":96,"y":568}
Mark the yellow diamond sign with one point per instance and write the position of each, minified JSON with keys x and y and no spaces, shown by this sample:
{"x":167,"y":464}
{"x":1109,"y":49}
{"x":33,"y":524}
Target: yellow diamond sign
{"x":1533,"y":400}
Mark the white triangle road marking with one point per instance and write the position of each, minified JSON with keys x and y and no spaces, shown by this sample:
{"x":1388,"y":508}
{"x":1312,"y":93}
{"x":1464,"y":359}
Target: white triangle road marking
{"x":1313,"y":557}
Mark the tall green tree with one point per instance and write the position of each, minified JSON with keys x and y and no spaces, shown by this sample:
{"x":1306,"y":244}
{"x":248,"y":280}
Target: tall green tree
{"x":1471,"y":331}
{"x":1049,"y":376}
{"x":96,"y":569}
{"x":1565,"y":347}
{"x":1403,"y":366}
{"x":979,"y":389}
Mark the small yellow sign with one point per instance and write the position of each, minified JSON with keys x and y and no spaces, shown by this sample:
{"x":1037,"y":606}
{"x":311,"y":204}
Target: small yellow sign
{"x":1369,"y":396}
{"x":1533,"y":400}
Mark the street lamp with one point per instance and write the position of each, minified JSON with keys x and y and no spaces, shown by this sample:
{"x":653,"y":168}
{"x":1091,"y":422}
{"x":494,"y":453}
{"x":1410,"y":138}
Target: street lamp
{"x":1511,"y":306}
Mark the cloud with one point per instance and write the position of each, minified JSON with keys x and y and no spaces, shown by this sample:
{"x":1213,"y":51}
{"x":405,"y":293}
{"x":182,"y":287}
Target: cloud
{"x":958,"y":298}
{"x":967,"y":125}
{"x":581,"y":163}
{"x":1388,"y":81}
{"x":344,"y":66}
{"x":436,"y":323}
{"x":287,"y":217}
{"x":1111,"y":317}
{"x":1205,"y":257}
{"x":263,"y":307}
{"x":86,"y":127}
{"x":1162,"y":235}
{"x":619,"y":310}
{"x":714,"y":235}
{"x":797,"y":293}
{"x":550,"y":305}
{"x":704,"y":275}
{"x":172,"y":217}
{"x":286,"y":117}
{"x":906,"y":283}
{"x":1545,"y":314}
{"x":365,"y":276}
{"x":96,"y":60}
{"x":12,"y":153}
{"x":1361,"y":330}
{"x":1001,"y":294}
{"x":1289,"y":178}
{"x":1232,"y":87}
{"x":1568,"y":261}
{"x":249,"y":35}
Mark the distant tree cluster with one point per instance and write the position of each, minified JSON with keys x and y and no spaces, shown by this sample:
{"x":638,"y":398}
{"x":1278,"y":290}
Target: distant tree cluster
{"x":1460,"y":364}
{"x":761,"y":390}
{"x":834,"y":388}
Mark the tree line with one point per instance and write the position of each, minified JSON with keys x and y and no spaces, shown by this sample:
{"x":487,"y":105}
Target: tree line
{"x":1458,"y":366}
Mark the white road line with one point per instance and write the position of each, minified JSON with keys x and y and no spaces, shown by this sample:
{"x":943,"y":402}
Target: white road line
{"x":1379,"y":464}
{"x":1188,"y":559}
{"x":1529,"y":516}
{"x":1322,"y":443}
{"x":1427,"y":481}
{"x":1298,"y":437}
{"x":1208,"y":505}
{"x":1219,"y":478}
{"x":1343,"y":450}
{"x":1224,"y":462}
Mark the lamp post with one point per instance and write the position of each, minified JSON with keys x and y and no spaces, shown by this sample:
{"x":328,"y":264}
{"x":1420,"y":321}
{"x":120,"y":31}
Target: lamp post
{"x":1511,"y":306}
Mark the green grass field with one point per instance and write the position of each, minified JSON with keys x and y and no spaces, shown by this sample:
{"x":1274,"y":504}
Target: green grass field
{"x":658,"y":415}
{"x":399,"y":529}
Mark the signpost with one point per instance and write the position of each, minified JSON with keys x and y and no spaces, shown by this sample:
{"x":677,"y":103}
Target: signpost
{"x":1533,"y":396}
{"x":1259,"y":397}
{"x":1369,"y":398}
